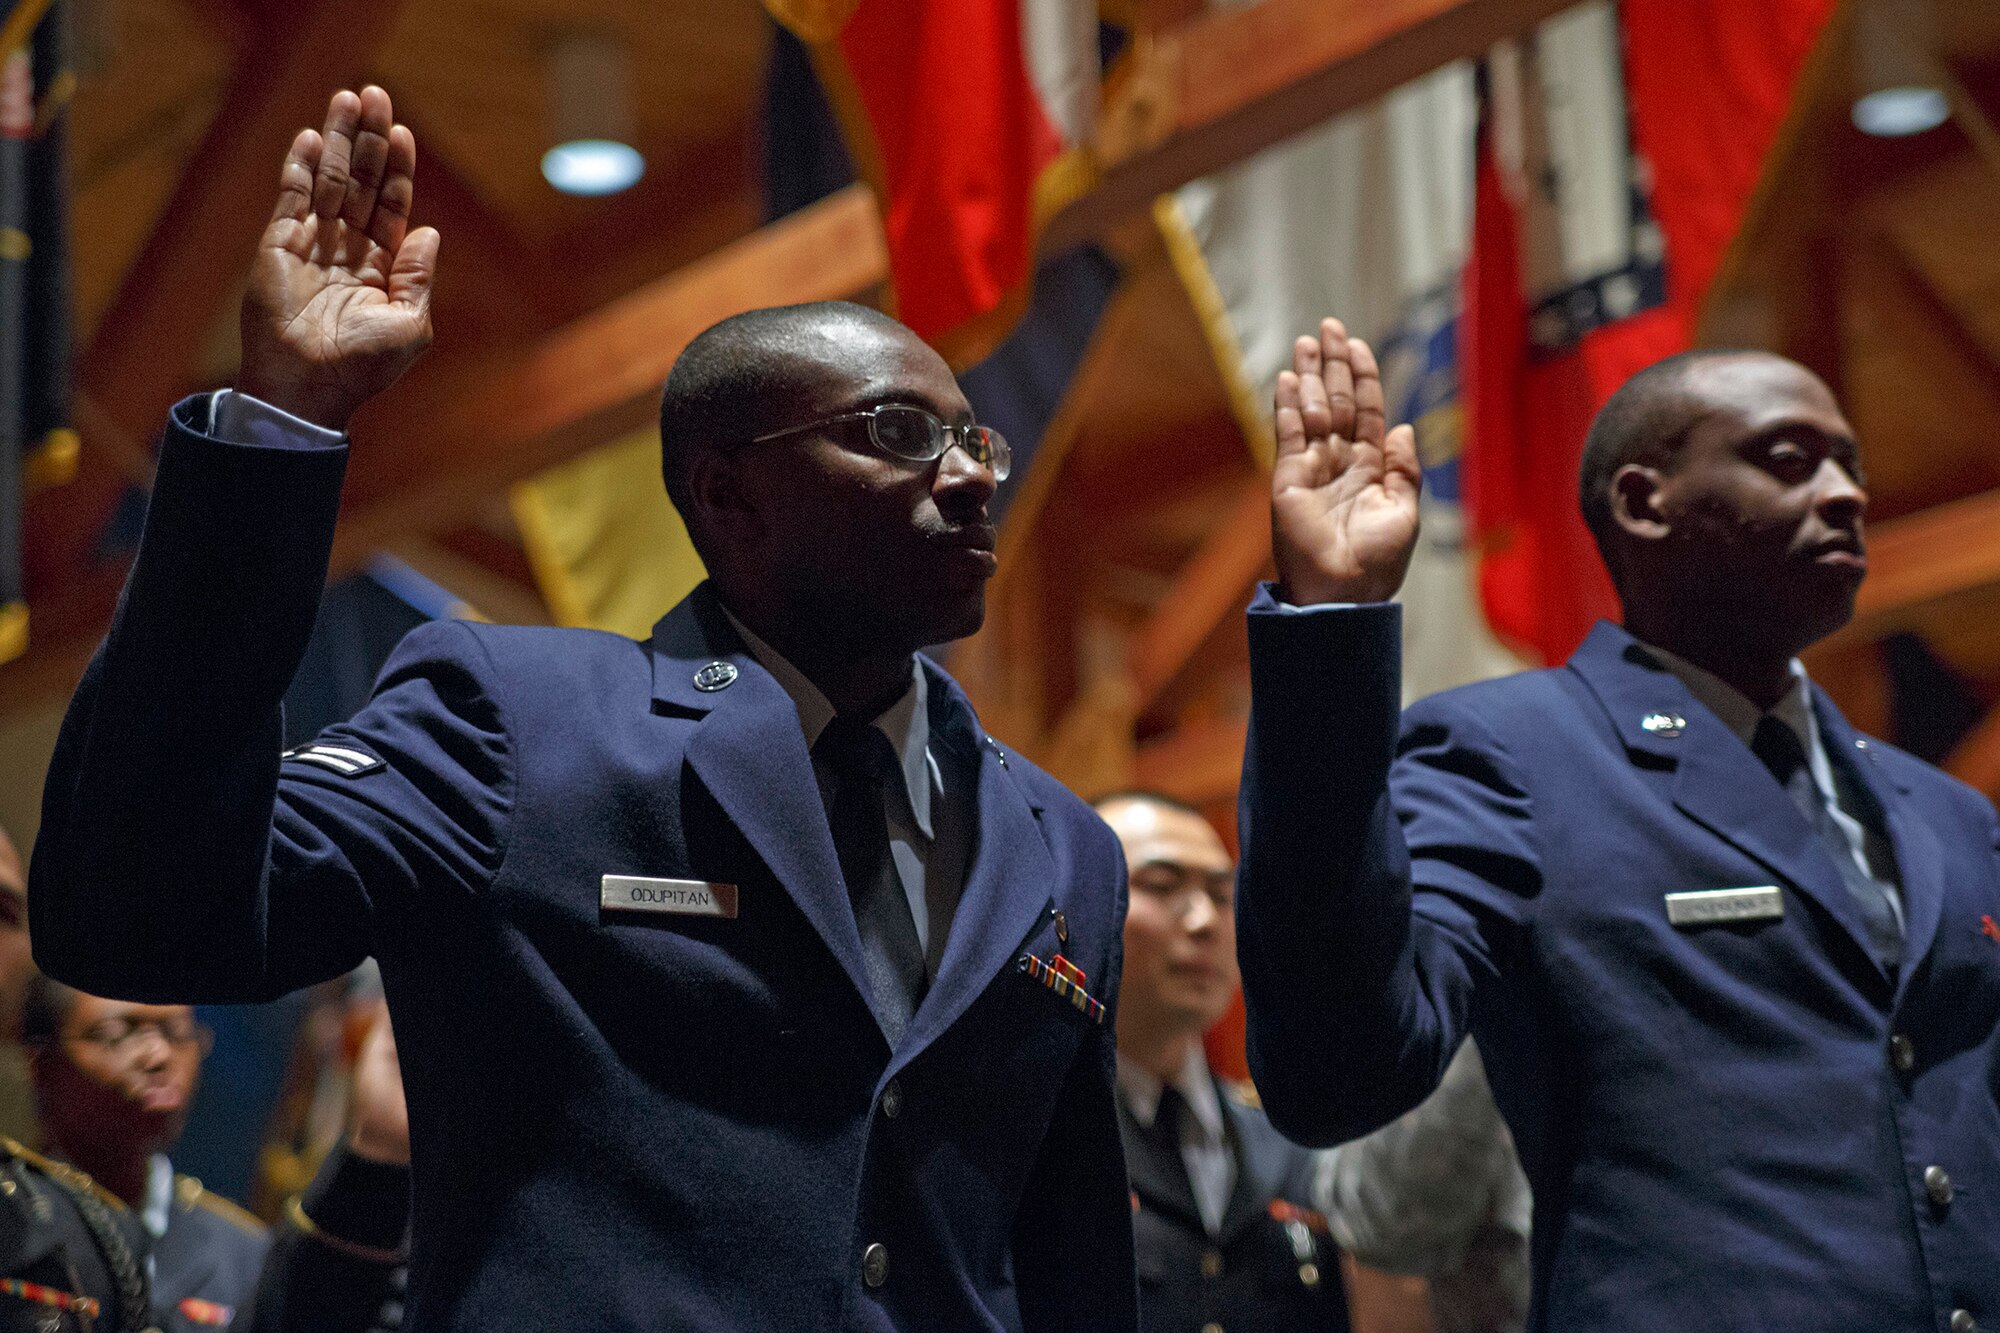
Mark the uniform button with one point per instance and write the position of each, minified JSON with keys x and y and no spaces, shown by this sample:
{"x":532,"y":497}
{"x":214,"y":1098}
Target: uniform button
{"x":1902,"y":1053}
{"x":892,"y":1099}
{"x":1211,"y":1327}
{"x":1211,"y":1263}
{"x":1963,"y":1322}
{"x":875,"y":1264}
{"x":1937,"y":1184}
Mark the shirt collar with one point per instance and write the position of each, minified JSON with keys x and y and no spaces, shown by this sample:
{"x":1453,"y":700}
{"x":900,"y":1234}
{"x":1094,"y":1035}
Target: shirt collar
{"x":1794,"y":707}
{"x":155,"y":1211}
{"x":906,"y":722}
{"x":1142,"y":1090}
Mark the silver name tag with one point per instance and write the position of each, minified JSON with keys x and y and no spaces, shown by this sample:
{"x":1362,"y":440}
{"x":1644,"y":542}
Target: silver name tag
{"x":1762,"y":902}
{"x":681,"y":897}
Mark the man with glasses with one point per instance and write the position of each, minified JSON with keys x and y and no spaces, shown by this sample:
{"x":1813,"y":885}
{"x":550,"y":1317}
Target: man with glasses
{"x":1221,"y":1214}
{"x":740,"y":980}
{"x":113,"y":1082}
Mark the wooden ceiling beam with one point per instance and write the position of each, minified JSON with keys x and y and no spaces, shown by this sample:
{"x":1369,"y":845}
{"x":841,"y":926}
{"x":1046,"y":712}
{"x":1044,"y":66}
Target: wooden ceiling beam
{"x":1199,"y":763}
{"x":1975,"y":760}
{"x":148,"y":345}
{"x":1214,"y":582}
{"x":435,"y":445}
{"x":1212,"y":90}
{"x":1930,"y":555}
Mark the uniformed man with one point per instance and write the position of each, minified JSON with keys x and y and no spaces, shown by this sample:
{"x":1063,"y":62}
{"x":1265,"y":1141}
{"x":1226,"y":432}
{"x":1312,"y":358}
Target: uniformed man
{"x":1732,"y":965}
{"x":1226,"y":1234}
{"x":737,"y":973}
{"x":113,"y":1082}
{"x":72,"y":1255}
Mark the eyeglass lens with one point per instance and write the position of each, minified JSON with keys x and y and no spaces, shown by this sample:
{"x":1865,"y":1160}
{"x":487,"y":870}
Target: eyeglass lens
{"x":912,"y":433}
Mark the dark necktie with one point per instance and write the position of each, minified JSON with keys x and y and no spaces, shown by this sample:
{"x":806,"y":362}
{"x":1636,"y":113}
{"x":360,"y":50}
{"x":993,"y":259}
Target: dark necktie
{"x":858,"y":757}
{"x":1779,"y":747}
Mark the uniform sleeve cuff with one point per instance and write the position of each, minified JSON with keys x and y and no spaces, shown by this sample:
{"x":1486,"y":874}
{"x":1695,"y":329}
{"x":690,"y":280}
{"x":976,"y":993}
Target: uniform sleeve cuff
{"x":237,"y":418}
{"x":363,"y":1202}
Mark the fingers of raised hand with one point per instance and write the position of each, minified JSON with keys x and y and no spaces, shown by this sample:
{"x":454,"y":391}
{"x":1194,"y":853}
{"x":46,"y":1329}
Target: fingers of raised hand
{"x":392,"y":203}
{"x":368,"y":160}
{"x":1285,"y":416}
{"x":1339,"y":376}
{"x":295,"y":179}
{"x":1399,"y":457}
{"x":330,"y":180}
{"x":1316,"y":416}
{"x":1371,"y":417}
{"x":412,"y":272}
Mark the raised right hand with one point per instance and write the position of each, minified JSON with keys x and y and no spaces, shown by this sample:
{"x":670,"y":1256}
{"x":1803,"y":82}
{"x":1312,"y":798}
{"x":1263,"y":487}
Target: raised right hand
{"x":340,"y":295}
{"x":1344,"y":488}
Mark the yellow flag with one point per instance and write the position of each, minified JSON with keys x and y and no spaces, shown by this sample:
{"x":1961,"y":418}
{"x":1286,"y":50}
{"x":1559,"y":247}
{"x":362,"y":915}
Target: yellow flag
{"x":606,"y":545}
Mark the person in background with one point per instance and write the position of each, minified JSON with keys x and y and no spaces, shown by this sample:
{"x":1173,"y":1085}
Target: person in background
{"x":17,"y":1098}
{"x":1226,"y":1236}
{"x":1439,"y":1194}
{"x":339,"y":1254}
{"x":112,"y":1083}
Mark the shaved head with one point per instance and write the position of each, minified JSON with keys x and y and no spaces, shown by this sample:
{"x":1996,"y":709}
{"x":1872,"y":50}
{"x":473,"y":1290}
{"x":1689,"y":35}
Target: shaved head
{"x":749,"y":375}
{"x":1645,"y":422}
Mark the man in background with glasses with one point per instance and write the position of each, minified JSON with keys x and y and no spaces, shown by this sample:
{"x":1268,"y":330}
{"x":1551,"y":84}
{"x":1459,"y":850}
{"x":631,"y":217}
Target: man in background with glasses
{"x":113,"y":1082}
{"x":740,"y":979}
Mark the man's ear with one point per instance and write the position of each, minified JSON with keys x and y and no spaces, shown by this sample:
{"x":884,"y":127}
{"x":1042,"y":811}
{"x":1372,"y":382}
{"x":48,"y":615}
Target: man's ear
{"x":722,"y":503}
{"x":1635,"y":502}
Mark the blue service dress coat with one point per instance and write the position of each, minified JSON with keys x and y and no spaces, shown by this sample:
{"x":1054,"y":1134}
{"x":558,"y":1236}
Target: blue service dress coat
{"x":1727,"y":1126}
{"x":619,"y":1120}
{"x":205,"y":1266}
{"x":1272,"y":1265}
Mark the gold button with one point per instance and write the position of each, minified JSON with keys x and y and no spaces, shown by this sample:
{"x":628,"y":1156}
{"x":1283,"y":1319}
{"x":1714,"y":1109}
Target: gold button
{"x":1902,"y":1053}
{"x":1963,"y":1322}
{"x":875,"y":1264}
{"x":1309,"y":1274}
{"x":892,"y":1099}
{"x":1937,"y":1184}
{"x":1211,"y":1327}
{"x":1211,"y":1263}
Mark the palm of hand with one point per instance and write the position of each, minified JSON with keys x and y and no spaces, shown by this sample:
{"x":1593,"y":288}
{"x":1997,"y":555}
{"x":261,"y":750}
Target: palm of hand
{"x":1356,"y":523}
{"x":333,"y":306}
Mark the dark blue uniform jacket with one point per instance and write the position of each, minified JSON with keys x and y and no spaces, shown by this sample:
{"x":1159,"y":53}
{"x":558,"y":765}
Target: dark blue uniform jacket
{"x":1728,"y":1126}
{"x":619,"y":1121}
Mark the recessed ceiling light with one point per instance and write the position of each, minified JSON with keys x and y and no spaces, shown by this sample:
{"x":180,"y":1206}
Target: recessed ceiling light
{"x":1899,"y":83}
{"x":1894,"y":112}
{"x":592,"y":166}
{"x":590,"y":115}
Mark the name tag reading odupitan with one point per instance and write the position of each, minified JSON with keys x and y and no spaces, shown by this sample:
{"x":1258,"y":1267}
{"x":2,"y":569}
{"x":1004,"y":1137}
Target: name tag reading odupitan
{"x":1761,"y":902}
{"x":678,"y":897}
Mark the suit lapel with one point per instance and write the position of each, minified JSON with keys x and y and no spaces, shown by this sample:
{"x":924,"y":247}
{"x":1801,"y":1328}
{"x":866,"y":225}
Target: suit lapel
{"x":1009,"y":874}
{"x":1259,"y":1171}
{"x":1919,"y":858}
{"x":750,"y":752}
{"x":1718,"y":782}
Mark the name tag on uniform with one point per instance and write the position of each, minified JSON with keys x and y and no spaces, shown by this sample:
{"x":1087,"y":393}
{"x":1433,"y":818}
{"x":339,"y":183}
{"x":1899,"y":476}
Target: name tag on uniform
{"x":1702,"y":907}
{"x":677,"y":897}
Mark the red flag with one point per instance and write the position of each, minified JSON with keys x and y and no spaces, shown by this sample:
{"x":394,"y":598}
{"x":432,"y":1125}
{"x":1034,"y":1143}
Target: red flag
{"x":1619,"y":149}
{"x":968,"y":117}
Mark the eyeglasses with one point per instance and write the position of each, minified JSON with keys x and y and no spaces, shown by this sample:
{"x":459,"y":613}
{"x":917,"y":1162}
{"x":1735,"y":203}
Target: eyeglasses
{"x":917,"y":436}
{"x":123,"y":1036}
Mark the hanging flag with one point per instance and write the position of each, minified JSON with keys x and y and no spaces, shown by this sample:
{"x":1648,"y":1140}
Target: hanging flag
{"x":1367,"y":218}
{"x":1615,"y":164}
{"x":971,"y":120}
{"x":608,"y":550}
{"x":37,"y":446}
